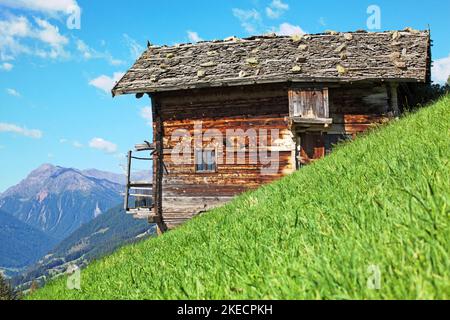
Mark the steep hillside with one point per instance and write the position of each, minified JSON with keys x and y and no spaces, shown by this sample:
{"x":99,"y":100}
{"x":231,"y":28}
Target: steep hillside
{"x":103,"y":234}
{"x":377,"y":207}
{"x":93,"y":240}
{"x":21,"y":245}
{"x":58,"y":200}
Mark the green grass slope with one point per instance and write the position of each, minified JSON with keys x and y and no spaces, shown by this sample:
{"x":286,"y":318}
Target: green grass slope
{"x":383,"y":200}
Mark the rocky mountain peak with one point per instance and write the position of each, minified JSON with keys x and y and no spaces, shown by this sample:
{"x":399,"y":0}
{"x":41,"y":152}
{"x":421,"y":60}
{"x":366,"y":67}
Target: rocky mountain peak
{"x":58,"y":200}
{"x":43,"y":170}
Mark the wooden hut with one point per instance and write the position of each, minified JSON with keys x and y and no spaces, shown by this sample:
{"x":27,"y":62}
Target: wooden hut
{"x":313,"y":90}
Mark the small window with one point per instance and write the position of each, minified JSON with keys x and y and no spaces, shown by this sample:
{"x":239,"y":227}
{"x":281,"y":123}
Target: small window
{"x":205,"y":161}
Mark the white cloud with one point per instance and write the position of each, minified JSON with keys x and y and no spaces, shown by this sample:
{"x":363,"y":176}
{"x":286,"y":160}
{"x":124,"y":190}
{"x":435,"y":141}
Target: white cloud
{"x":11,"y":30}
{"x":50,"y":33}
{"x":287,"y":29}
{"x":45,"y":6}
{"x":193,"y":36}
{"x":114,"y":62}
{"x":89,"y":53}
{"x":135,"y":48}
{"x":12,"y":128}
{"x":18,"y":35}
{"x":441,"y":70}
{"x":77,"y":144}
{"x":250,"y":19}
{"x":6,"y":66}
{"x":103,"y":145}
{"x":147,"y":114}
{"x":272,"y":14}
{"x":15,"y":26}
{"x":13,"y":92}
{"x":276,"y":9}
{"x":106,"y":83}
{"x":278,"y":4}
{"x":85,"y":50}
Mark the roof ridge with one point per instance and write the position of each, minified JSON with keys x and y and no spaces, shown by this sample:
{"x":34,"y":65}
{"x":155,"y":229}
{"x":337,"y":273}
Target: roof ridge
{"x":234,"y":39}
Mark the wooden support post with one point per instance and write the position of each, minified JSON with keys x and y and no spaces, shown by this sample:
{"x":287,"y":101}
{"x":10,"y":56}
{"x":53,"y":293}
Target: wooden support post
{"x":298,"y":149}
{"x":127,"y":191}
{"x":326,"y":103}
{"x":394,"y":99}
{"x":158,"y":165}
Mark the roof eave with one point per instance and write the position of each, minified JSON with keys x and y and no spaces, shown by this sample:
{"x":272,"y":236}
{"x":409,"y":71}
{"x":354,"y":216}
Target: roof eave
{"x":201,"y":85}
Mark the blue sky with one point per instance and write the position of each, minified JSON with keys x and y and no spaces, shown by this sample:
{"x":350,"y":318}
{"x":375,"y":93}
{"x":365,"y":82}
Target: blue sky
{"x":55,"y":104}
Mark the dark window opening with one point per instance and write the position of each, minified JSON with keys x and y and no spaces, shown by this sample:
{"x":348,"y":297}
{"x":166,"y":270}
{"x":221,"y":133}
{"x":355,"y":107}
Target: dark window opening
{"x":205,"y":161}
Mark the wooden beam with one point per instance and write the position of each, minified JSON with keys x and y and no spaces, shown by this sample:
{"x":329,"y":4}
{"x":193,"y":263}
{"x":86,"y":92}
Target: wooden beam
{"x":326,"y":102}
{"x":312,"y":121}
{"x":394,"y":98}
{"x":127,"y":191}
{"x":158,"y":164}
{"x":140,"y":184}
{"x":147,"y":146}
{"x":140,"y":195}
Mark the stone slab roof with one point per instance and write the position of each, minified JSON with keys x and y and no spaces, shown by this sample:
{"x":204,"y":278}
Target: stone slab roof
{"x":402,"y":56}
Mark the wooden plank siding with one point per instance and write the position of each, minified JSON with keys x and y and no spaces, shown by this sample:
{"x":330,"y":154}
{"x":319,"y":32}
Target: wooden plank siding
{"x":183,"y":193}
{"x":246,"y":108}
{"x":355,"y":109}
{"x":309,"y":103}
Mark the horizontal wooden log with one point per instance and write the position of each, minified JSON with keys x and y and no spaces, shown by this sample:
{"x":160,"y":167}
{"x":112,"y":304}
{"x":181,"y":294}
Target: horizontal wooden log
{"x":360,"y":119}
{"x":145,"y":147}
{"x":141,"y":183}
{"x":312,"y":121}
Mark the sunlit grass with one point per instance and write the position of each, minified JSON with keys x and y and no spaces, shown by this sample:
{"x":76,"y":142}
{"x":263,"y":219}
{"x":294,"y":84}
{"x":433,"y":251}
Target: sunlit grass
{"x":383,"y":200}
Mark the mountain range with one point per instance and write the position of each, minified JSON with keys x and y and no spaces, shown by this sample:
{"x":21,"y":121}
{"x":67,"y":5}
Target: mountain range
{"x":59,"y":200}
{"x":53,"y":204}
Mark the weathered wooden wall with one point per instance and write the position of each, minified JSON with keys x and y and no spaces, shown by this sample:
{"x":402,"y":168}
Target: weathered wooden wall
{"x":355,"y":109}
{"x":185,"y":192}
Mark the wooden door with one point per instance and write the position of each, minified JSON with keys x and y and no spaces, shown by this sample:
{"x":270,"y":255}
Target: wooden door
{"x":312,"y":147}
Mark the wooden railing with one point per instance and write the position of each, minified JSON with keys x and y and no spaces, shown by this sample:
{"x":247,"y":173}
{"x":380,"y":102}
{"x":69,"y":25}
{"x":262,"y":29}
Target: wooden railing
{"x":137,"y":189}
